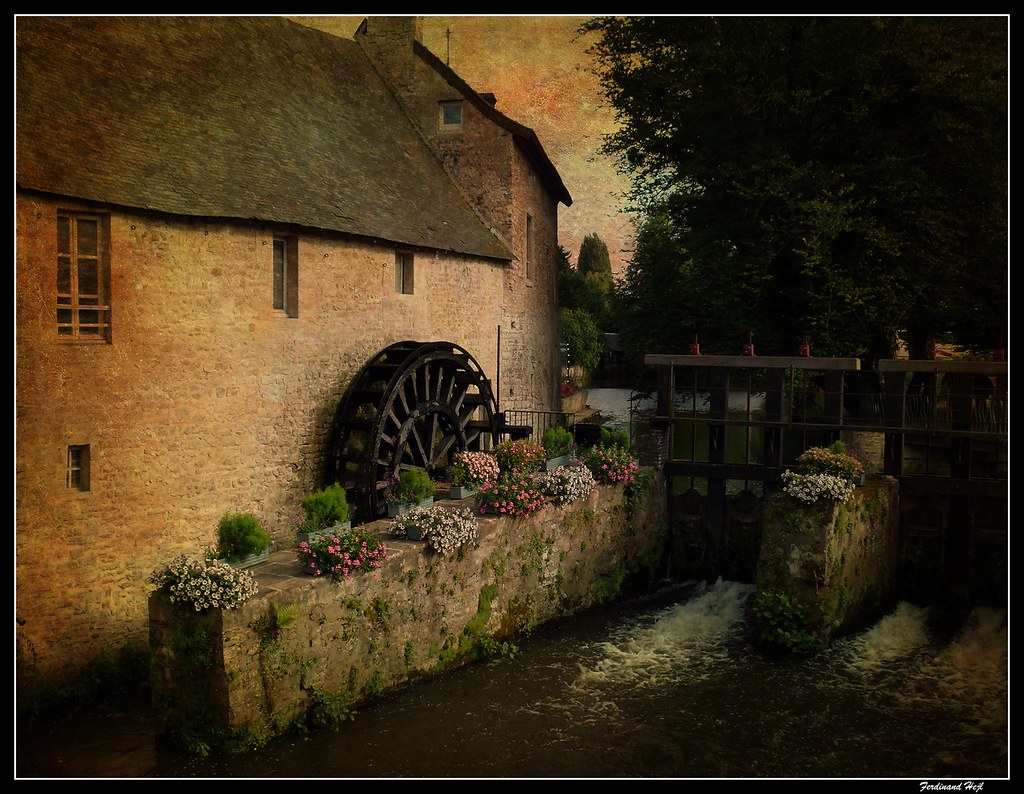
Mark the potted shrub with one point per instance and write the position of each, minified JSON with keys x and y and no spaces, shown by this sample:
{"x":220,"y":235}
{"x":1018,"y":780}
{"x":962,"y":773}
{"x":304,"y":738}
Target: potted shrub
{"x":412,"y":487}
{"x":824,"y":473}
{"x":832,"y":460}
{"x":241,"y":540}
{"x":614,"y":438}
{"x":342,"y":554}
{"x":815,"y":486}
{"x":515,"y":494}
{"x":519,"y":455}
{"x":325,"y":510}
{"x":204,"y":584}
{"x":566,"y":483}
{"x":443,"y":530}
{"x":610,"y":465}
{"x":557,"y":443}
{"x":471,"y":471}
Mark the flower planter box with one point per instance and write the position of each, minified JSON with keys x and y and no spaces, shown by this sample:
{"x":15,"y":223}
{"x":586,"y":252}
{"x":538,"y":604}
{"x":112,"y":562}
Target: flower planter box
{"x":248,"y":560}
{"x":461,"y":492}
{"x":553,"y":463}
{"x":402,"y":509}
{"x":312,"y":537}
{"x":413,"y":533}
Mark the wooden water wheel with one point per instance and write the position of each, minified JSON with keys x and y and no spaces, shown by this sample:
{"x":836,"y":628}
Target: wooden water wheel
{"x":413,"y":405}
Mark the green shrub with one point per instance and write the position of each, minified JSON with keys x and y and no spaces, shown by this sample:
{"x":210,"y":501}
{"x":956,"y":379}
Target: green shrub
{"x":614,"y":438}
{"x":783,"y":622}
{"x":326,"y":508}
{"x":557,"y":441}
{"x":411,"y":487}
{"x":240,"y":534}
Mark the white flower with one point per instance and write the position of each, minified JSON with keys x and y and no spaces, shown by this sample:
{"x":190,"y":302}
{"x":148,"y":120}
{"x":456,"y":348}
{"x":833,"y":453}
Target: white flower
{"x":812,"y":487}
{"x":566,"y":483}
{"x":444,"y":530}
{"x":203,"y":584}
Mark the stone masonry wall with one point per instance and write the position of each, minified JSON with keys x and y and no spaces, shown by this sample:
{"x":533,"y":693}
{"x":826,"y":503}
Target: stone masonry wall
{"x":501,"y":184}
{"x":206,"y":401}
{"x":840,"y":560}
{"x":345,"y":643}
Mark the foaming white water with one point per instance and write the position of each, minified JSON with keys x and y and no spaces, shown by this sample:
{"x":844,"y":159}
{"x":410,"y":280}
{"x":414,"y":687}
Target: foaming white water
{"x":896,"y":636}
{"x":684,"y":639}
{"x":973,"y":669}
{"x":906,"y":670}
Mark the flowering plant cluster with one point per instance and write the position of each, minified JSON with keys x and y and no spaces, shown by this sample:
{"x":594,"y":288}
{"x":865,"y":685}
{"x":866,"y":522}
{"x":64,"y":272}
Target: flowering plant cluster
{"x":816,"y":485}
{"x":520,"y":455}
{"x":566,"y":483}
{"x":566,"y":389}
{"x":204,"y":584}
{"x":515,"y":494}
{"x":444,"y":530}
{"x":610,"y":464}
{"x":473,"y":469}
{"x":831,"y":460}
{"x":341,"y":554}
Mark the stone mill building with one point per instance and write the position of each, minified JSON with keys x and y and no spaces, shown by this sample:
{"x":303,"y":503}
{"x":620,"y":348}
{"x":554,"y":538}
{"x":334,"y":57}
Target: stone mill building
{"x":226,"y":227}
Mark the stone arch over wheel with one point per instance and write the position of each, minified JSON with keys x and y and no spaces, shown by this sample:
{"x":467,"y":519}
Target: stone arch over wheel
{"x":413,"y":405}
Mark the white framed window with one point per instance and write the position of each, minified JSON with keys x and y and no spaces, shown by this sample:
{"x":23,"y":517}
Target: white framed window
{"x":83,"y":277}
{"x":404,"y":272}
{"x":286,"y":275}
{"x":450,"y":115}
{"x":78,"y":467}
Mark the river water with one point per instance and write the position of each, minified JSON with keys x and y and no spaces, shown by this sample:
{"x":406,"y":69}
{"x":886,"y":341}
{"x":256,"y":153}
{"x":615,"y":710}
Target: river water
{"x":669,"y":686}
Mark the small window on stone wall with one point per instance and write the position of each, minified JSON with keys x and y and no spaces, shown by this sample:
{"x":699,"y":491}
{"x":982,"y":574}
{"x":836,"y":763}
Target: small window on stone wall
{"x":403,"y":273}
{"x":78,"y":467}
{"x":450,"y":115}
{"x":286,"y":275}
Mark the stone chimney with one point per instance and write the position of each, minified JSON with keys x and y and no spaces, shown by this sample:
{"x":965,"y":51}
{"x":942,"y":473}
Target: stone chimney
{"x":387,"y":42}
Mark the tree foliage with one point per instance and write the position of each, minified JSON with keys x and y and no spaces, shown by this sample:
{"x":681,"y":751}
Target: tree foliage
{"x":589,"y":285}
{"x":843,"y":179}
{"x":583,"y":338}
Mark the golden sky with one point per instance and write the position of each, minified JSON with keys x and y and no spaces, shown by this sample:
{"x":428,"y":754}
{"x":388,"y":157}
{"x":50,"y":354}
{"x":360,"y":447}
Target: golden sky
{"x":540,"y":74}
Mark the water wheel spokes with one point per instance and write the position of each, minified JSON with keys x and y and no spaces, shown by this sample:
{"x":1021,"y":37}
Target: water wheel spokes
{"x":413,"y":405}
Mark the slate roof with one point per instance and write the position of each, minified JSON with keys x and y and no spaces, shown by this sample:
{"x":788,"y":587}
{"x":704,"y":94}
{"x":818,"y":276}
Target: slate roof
{"x":230,"y":117}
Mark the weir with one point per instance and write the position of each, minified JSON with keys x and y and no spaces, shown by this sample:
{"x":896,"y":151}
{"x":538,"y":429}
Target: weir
{"x":729,"y":427}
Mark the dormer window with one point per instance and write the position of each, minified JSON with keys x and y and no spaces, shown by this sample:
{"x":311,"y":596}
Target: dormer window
{"x":451,"y":115}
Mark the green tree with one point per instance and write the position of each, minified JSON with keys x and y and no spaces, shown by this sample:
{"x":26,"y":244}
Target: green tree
{"x":569,"y":281}
{"x":583,"y":338}
{"x":843,"y":179}
{"x":595,"y":270}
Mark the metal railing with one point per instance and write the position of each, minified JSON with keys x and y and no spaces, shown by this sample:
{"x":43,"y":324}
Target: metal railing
{"x":539,"y":422}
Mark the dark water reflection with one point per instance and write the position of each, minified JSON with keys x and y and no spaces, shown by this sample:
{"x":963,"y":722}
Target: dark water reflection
{"x":672,"y":688}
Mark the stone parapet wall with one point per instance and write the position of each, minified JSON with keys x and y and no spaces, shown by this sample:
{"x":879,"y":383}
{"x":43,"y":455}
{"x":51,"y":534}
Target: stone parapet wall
{"x":305,"y":645}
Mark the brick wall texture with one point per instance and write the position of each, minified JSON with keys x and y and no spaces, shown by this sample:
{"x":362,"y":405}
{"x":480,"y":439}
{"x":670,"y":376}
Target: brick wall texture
{"x":208,"y":400}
